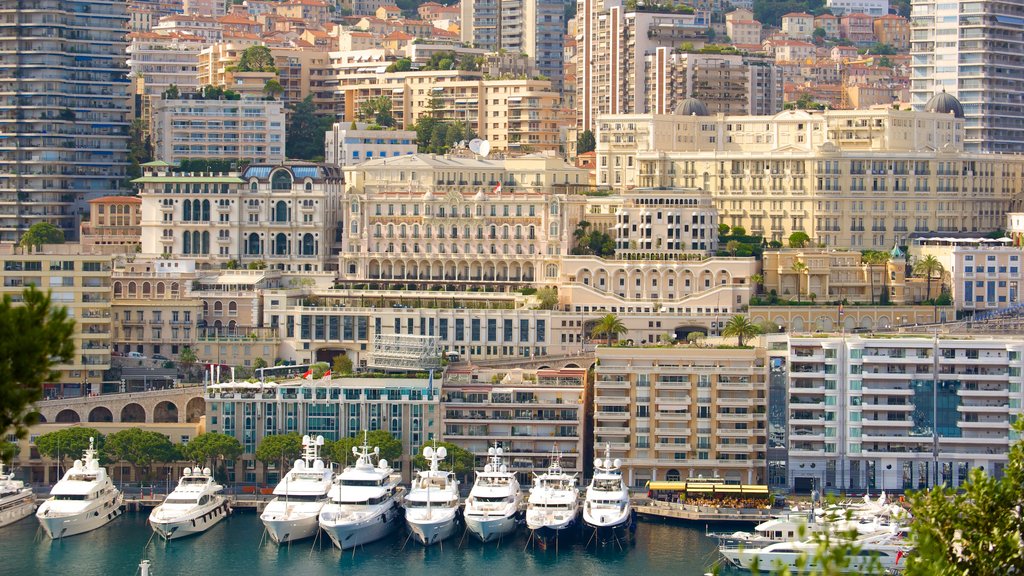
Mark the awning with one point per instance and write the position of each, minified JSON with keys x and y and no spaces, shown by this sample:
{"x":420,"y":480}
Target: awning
{"x":665,"y":485}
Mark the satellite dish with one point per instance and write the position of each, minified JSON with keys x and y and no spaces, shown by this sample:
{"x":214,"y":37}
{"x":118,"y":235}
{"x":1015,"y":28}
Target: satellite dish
{"x":382,"y":463}
{"x":376,"y":450}
{"x":485,"y":148}
{"x":607,"y":463}
{"x":187,"y":471}
{"x":617,"y":463}
{"x":299,"y":464}
{"x":428,"y":452}
{"x":355,"y":451}
{"x":499,"y":451}
{"x":491,"y":451}
{"x":206,"y":471}
{"x":441,"y":453}
{"x":474,"y":145}
{"x":503,"y":469}
{"x":305,"y":440}
{"x":487,"y":468}
{"x":318,"y":465}
{"x":319,"y":440}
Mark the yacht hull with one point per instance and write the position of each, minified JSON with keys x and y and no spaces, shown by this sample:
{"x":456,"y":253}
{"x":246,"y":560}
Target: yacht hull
{"x":285,"y":528}
{"x":749,"y":558}
{"x":346,"y":535}
{"x":607,"y":529}
{"x":192,"y":523}
{"x":550,"y":532}
{"x":428,"y":532}
{"x":17,"y":509}
{"x":57,"y":525}
{"x":489,"y":528}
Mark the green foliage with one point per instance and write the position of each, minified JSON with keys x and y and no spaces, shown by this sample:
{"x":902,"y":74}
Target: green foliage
{"x":799,"y":239}
{"x":41,"y":233}
{"x":172,"y":92}
{"x":256,"y":59}
{"x":695,"y":337}
{"x":976,"y":530}
{"x":273,"y":88}
{"x":458,"y":460}
{"x":259,"y":363}
{"x":884,"y":62}
{"x":435,"y":136}
{"x":804,"y":102}
{"x":451,"y":61}
{"x":140,"y":151}
{"x":68,"y":443}
{"x":400,"y":65}
{"x":930,"y":268}
{"x":819,"y":33}
{"x":211,"y":447}
{"x":341,"y":366}
{"x":770,"y":12}
{"x":738,"y":231}
{"x":280,"y":448}
{"x":879,"y":49}
{"x":723,"y":229}
{"x":257,"y":265}
{"x":140,"y":448}
{"x":876,"y":258}
{"x":319,"y":369}
{"x":548,"y":297}
{"x":585,"y":142}
{"x":608,"y":326}
{"x":590,"y":241}
{"x":218,"y":93}
{"x":800,"y":267}
{"x":742,"y":328}
{"x":377,"y":110}
{"x":304,"y":135}
{"x":37,"y":335}
{"x":340,"y":452}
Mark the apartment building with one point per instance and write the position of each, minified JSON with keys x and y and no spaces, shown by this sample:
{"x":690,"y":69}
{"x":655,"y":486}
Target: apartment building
{"x":984,"y":274}
{"x":283,"y":216}
{"x":849,"y":179}
{"x":213,"y":8}
{"x":154,"y":309}
{"x":890,"y":412}
{"x":724,"y":83}
{"x":893,"y":30}
{"x":206,"y":27}
{"x":830,"y":24}
{"x":408,"y":408}
{"x":798,"y":25}
{"x":874,"y":8}
{"x":347,"y":145}
{"x":677,"y":412}
{"x":158,"y":61}
{"x":113,"y":221}
{"x":193,"y":126}
{"x":838,"y":275}
{"x":65,"y":111}
{"x":533,"y":27}
{"x":858,"y":28}
{"x":79,"y":280}
{"x":529,"y":414}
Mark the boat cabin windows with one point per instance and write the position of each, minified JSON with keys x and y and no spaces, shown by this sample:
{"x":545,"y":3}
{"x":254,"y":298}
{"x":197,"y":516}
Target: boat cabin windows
{"x":492,"y":481}
{"x":494,"y":499}
{"x":180,"y":500}
{"x":350,"y":482}
{"x":423,"y":504}
{"x":608,"y":485}
{"x":70,"y":497}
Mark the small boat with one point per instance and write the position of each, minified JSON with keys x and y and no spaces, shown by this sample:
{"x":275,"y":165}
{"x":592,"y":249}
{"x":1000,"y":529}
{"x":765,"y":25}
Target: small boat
{"x":194,"y":506}
{"x":16,"y":500}
{"x":606,"y":507}
{"x":363,"y":501}
{"x":83,"y":500}
{"x":554,"y":504}
{"x":492,"y":507}
{"x":299,"y":497}
{"x":432,"y":505}
{"x":884,"y":549}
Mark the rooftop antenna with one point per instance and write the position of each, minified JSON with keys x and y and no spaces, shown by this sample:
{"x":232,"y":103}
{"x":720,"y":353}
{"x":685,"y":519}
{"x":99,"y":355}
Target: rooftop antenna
{"x":480,"y":147}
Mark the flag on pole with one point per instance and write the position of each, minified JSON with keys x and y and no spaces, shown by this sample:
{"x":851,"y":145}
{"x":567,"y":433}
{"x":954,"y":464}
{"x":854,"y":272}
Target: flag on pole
{"x":899,"y":555}
{"x":308,"y":375}
{"x":327,"y":375}
{"x":497,"y":189}
{"x":430,"y":384}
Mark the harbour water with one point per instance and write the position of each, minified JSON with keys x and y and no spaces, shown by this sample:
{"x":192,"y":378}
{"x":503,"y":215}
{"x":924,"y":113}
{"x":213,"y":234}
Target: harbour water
{"x":232,"y":549}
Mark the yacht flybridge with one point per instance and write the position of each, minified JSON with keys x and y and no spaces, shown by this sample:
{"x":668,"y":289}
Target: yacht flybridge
{"x":83,"y":500}
{"x":299,"y":496}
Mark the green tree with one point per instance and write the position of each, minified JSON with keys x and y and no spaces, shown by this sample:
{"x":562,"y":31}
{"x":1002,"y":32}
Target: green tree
{"x":37,"y":336}
{"x":377,"y":110}
{"x":976,"y":529}
{"x":609,"y":326}
{"x":548,"y":297}
{"x":272,"y":89}
{"x":458,"y":459}
{"x":738,"y":231}
{"x":732,"y":246}
{"x":400,"y":65}
{"x":799,"y":239}
{"x":874,"y":258}
{"x":140,"y":150}
{"x":741,"y":327}
{"x":929,"y":267}
{"x":41,"y":233}
{"x":187,"y":358}
{"x":212,"y":447}
{"x":280,"y":448}
{"x":819,"y":34}
{"x":140,"y":448}
{"x":68,"y":443}
{"x":801,"y":269}
{"x":259,"y":363}
{"x":695,"y":337}
{"x":172,"y":92}
{"x":305,"y":131}
{"x":341,"y":365}
{"x":723,"y":229}
{"x":256,"y":59}
{"x":585,"y":142}
{"x":757,"y":280}
{"x":390,"y":447}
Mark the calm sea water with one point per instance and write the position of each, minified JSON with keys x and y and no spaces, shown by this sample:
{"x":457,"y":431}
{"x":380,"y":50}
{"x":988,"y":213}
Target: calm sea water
{"x":232,"y":549}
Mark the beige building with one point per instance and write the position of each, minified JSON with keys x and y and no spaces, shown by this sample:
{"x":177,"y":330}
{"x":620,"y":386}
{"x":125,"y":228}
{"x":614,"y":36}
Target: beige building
{"x":837,"y":275}
{"x":725,"y":83}
{"x":154,"y":309}
{"x":113,"y":221}
{"x":798,"y":25}
{"x":677,"y":412}
{"x":849,"y":179}
{"x":984,"y":274}
{"x":852,"y":319}
{"x":158,"y":61}
{"x":192,"y":126}
{"x":80,"y":281}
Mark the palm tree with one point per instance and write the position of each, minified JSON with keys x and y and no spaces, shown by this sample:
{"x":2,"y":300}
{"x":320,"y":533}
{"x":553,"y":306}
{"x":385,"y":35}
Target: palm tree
{"x":608,"y":326}
{"x":741,"y":327}
{"x":871,"y":258}
{"x":929,"y":267}
{"x":758,"y":280}
{"x":800,"y":268}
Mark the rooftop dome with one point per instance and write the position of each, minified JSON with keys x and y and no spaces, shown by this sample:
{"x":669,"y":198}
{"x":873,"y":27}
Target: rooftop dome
{"x":693,"y":107}
{"x":944,"y":103}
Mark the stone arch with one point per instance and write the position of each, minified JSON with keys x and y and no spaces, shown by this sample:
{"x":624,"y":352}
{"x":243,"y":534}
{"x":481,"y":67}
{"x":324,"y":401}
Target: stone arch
{"x":165,"y":412}
{"x":195,"y":409}
{"x":42,"y":419}
{"x":884,"y":322}
{"x":101,"y":414}
{"x":849,"y":323}
{"x":798,"y":324}
{"x":160,"y":289}
{"x":571,"y":365}
{"x":68,"y":416}
{"x":146,"y":289}
{"x":118,"y":289}
{"x":672,"y":475}
{"x":133,"y":413}
{"x":867,"y":322}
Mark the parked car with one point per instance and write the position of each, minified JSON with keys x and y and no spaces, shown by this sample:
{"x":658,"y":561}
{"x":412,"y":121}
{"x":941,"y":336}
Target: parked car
{"x":135,"y":356}
{"x":160,"y":357}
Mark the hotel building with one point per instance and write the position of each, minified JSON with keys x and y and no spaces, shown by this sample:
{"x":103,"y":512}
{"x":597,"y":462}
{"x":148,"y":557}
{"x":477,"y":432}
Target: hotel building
{"x":192,"y":126}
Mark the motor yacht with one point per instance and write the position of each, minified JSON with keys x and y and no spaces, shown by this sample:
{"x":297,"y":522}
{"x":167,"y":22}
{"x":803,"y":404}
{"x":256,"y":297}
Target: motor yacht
{"x":16,"y":500}
{"x":606,"y":506}
{"x":432,"y":505}
{"x":299,"y":497}
{"x":195,"y":506}
{"x":553,"y":506}
{"x":883,"y":549}
{"x":492,"y":508}
{"x":83,"y":500}
{"x":363,"y":502}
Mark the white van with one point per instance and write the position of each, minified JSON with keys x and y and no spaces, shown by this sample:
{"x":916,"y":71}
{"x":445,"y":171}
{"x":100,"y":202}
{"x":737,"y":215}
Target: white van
{"x":135,"y":356}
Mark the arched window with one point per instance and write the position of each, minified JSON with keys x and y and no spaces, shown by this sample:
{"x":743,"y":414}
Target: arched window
{"x":281,"y":211}
{"x":131,"y":289}
{"x":197,"y":242}
{"x":281,"y":180}
{"x":281,"y":245}
{"x":117,"y":288}
{"x":218,"y":308}
{"x":186,"y":239}
{"x":232,"y":308}
{"x":159,"y":288}
{"x":253,"y":187}
{"x":146,"y":289}
{"x":308,"y":245}
{"x":206,"y":211}
{"x":186,"y":210}
{"x":253,"y":246}
{"x":206,"y":243}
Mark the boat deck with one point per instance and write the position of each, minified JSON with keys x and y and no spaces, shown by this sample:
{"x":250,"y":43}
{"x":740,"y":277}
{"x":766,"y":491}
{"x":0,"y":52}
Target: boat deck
{"x":707,"y":514}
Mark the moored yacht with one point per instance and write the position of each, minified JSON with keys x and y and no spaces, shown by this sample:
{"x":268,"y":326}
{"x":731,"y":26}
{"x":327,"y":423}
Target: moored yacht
{"x":363,"y":501}
{"x":553,"y":506}
{"x":83,"y":500}
{"x":432,"y":505}
{"x":492,"y":508}
{"x":606,"y":507}
{"x":299,"y":496}
{"x":883,"y":549}
{"x":16,"y":500}
{"x":194,"y":506}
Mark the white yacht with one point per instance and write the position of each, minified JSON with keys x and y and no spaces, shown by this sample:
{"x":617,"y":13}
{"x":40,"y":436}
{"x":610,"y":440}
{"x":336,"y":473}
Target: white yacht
{"x":432,"y":505}
{"x":363,"y":501}
{"x":16,"y":500}
{"x":194,"y":506}
{"x":492,"y":508}
{"x":606,"y":507}
{"x":554,"y":503}
{"x":299,"y":496}
{"x":83,"y":500}
{"x":887,"y":548}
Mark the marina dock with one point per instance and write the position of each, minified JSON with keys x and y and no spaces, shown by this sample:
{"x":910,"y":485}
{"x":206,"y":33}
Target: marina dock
{"x":237,"y":502}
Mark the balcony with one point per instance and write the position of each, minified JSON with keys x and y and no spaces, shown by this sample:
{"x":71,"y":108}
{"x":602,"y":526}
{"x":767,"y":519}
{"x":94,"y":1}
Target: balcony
{"x":612,"y":384}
